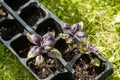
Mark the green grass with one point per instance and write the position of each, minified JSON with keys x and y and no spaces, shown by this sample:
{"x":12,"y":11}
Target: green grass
{"x":97,"y":16}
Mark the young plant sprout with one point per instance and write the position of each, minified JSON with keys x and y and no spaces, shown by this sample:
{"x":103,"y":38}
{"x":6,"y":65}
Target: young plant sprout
{"x":91,"y":48}
{"x":70,"y":33}
{"x":69,"y":39}
{"x":43,"y":44}
{"x":74,"y":30}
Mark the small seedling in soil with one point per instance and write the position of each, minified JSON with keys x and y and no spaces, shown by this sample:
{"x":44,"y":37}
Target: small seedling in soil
{"x":71,"y":34}
{"x":50,"y":66}
{"x":88,"y":67}
{"x":85,"y":69}
{"x":75,"y":30}
{"x":44,"y":54}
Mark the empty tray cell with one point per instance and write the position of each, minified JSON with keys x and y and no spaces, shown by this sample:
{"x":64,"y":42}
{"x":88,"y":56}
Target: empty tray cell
{"x":32,"y":14}
{"x":9,"y":28}
{"x":15,"y":4}
{"x":47,"y":26}
{"x":21,"y":46}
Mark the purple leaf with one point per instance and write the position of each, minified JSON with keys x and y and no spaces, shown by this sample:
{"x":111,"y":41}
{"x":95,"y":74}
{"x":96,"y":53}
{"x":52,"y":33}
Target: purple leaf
{"x":39,"y":61}
{"x":91,"y":48}
{"x":94,"y":50}
{"x":80,"y":35}
{"x":37,"y":38}
{"x":48,"y":43}
{"x":34,"y":51}
{"x":34,"y":38}
{"x":88,"y":46}
{"x":76,"y":27}
{"x":66,"y":26}
{"x":48,"y":36}
{"x":54,"y":53}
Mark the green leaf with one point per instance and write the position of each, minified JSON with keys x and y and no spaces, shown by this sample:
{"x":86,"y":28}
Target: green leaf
{"x":67,"y":37}
{"x":95,"y":62}
{"x":54,"y":53}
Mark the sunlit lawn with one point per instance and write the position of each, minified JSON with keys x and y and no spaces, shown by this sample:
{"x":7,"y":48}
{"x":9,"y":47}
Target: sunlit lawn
{"x":99,"y":17}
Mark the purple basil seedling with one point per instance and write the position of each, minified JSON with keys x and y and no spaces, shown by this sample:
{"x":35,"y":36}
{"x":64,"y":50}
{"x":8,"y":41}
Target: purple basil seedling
{"x":74,"y":30}
{"x":43,"y":44}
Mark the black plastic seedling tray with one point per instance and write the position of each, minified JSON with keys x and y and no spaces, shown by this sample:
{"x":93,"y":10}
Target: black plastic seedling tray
{"x":29,"y":16}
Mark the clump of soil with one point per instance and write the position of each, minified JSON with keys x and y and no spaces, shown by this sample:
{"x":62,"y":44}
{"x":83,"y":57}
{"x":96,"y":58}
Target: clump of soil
{"x":43,"y":72}
{"x":84,"y":70}
{"x":3,"y":12}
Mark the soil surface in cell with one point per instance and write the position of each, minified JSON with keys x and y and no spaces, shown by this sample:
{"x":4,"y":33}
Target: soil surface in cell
{"x":8,"y":31}
{"x":32,"y":14}
{"x":31,"y":20}
{"x":67,"y":51}
{"x":51,"y":66}
{"x":68,"y":54}
{"x":84,"y":70}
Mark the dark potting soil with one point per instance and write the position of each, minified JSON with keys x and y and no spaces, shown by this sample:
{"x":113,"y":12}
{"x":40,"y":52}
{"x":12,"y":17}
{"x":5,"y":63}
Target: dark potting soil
{"x":32,"y":14}
{"x":21,"y":46}
{"x":8,"y":31}
{"x":15,"y":4}
{"x":84,"y":70}
{"x":51,"y":66}
{"x":33,"y":19}
{"x":22,"y":52}
{"x":67,"y":53}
